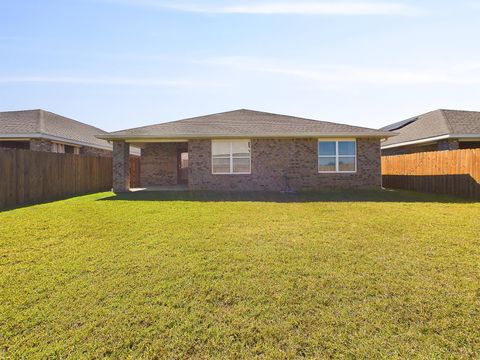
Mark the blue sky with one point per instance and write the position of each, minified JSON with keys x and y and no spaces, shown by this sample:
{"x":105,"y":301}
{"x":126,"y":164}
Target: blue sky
{"x":124,"y":63}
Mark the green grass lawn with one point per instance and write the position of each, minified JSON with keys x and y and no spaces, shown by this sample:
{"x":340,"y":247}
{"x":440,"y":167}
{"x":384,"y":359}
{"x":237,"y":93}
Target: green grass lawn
{"x":179,"y":275}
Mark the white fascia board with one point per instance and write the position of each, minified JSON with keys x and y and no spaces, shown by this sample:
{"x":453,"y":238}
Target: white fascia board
{"x":433,"y":139}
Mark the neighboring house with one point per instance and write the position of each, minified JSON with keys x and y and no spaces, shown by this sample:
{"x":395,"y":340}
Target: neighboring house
{"x":250,"y":151}
{"x":434,"y":131}
{"x":40,"y":130}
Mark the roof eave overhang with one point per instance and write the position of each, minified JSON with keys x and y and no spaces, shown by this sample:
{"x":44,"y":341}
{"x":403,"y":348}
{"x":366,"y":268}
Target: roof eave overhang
{"x":432,"y":139}
{"x":53,"y":138}
{"x":160,"y":138}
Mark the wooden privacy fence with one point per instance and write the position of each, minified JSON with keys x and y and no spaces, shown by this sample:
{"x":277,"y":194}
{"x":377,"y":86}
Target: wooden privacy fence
{"x":455,"y":172}
{"x":33,"y":177}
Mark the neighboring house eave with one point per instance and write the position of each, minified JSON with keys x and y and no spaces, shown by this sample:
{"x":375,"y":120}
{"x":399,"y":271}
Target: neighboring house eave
{"x":432,"y":139}
{"x":52,"y":138}
{"x":184,"y":138}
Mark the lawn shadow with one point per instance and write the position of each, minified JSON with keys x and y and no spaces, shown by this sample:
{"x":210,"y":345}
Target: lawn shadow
{"x":300,"y":197}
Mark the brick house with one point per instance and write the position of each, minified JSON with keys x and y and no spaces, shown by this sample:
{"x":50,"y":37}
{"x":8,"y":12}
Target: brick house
{"x":437,"y":130}
{"x":40,"y":130}
{"x":248,"y":150}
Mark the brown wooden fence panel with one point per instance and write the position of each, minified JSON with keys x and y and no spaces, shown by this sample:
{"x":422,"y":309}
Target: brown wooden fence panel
{"x":454,"y":172}
{"x":33,"y":177}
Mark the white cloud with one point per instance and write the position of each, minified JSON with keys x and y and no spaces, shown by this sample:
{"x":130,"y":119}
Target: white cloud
{"x":114,"y":81}
{"x":338,"y":74}
{"x":284,"y":7}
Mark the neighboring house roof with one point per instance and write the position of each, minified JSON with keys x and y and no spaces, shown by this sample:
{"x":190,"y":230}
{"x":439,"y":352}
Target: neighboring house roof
{"x":434,"y":125}
{"x":244,"y":123}
{"x":46,"y":125}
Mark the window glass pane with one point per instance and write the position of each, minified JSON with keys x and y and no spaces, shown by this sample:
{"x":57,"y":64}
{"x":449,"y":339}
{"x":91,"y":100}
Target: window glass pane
{"x":221,"y":166}
{"x":241,"y":165}
{"x":326,"y":148}
{"x":241,"y":148}
{"x":346,"y":147}
{"x":326,"y":164}
{"x":221,"y":148}
{"x":346,"y":163}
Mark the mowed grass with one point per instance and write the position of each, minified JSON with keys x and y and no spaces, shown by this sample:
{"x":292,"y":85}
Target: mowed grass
{"x":180,"y":275}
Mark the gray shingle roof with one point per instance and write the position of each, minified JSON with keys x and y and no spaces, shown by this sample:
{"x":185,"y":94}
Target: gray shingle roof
{"x":437,"y":123}
{"x":41,"y":123}
{"x":245,"y":123}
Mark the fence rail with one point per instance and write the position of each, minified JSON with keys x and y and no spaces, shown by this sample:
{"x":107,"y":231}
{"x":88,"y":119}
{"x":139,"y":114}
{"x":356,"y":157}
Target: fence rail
{"x":454,"y":172}
{"x":33,"y":177}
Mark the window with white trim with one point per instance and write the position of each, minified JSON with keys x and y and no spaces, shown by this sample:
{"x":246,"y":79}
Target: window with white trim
{"x":337,"y":156}
{"x":231,"y":157}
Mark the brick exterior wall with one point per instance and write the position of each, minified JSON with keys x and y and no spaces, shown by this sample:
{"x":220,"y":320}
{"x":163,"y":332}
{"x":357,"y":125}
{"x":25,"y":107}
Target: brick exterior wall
{"x":409,"y":149}
{"x":91,"y":151}
{"x":121,"y":166}
{"x":40,"y":145}
{"x":272,"y":159}
{"x":158,"y":163}
{"x":46,"y":145}
{"x":448,"y":144}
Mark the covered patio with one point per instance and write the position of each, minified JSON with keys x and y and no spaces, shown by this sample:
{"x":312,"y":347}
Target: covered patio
{"x":163,"y":166}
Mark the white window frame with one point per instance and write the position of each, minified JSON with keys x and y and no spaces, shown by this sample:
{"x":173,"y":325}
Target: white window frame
{"x":230,"y":157}
{"x":337,"y":156}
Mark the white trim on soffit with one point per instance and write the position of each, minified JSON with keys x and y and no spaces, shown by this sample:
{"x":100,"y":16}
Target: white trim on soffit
{"x":435,"y":138}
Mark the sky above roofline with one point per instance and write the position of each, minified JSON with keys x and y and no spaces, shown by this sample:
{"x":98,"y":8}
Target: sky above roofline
{"x":121,"y":63}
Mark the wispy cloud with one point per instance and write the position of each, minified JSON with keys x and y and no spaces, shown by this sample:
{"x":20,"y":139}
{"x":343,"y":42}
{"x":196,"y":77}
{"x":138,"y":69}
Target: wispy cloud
{"x":461,"y":74}
{"x":113,"y":81}
{"x":283,"y":7}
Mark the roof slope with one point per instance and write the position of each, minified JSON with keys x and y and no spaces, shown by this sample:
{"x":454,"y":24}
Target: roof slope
{"x":437,"y":123}
{"x":44,"y":123}
{"x":246,"y":123}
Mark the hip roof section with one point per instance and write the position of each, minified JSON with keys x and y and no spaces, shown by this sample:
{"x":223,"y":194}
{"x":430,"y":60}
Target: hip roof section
{"x":244,"y":123}
{"x":436,"y":123}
